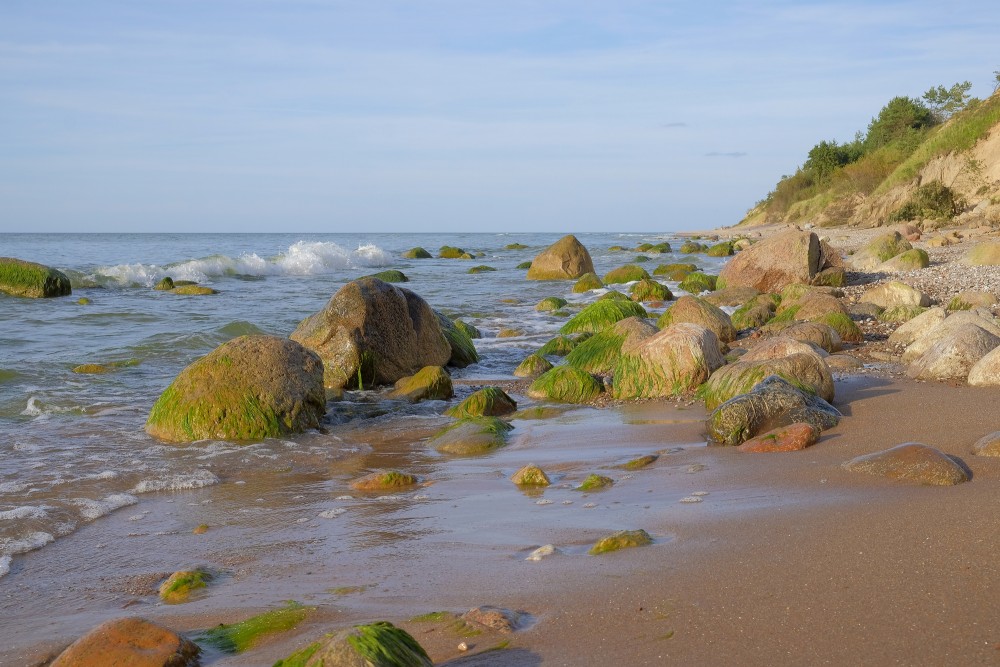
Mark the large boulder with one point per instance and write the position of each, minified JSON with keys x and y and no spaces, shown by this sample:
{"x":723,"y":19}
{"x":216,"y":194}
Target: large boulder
{"x":986,"y":371}
{"x":373,"y":333}
{"x":980,"y":318}
{"x":695,"y":310}
{"x":600,"y":352}
{"x":804,"y":370}
{"x":379,"y":644}
{"x":821,"y":335}
{"x":986,"y":253}
{"x":487,"y":402}
{"x":911,"y":462}
{"x":911,"y":260}
{"x":248,"y":388}
{"x":953,"y":356}
{"x":790,"y":257}
{"x":602,"y":314}
{"x":895,"y":293}
{"x":567,"y":384}
{"x":563,"y":260}
{"x":919,"y":326}
{"x":674,"y":361}
{"x":771,"y":404}
{"x":36,"y":281}
{"x":131,"y":642}
{"x":879,"y":250}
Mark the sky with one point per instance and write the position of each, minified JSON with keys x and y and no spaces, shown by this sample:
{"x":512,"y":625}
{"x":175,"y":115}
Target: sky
{"x":446,"y":115}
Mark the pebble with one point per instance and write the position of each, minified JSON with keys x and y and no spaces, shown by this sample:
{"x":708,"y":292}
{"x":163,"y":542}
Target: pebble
{"x":332,"y":514}
{"x":690,"y":499}
{"x":543,"y":501}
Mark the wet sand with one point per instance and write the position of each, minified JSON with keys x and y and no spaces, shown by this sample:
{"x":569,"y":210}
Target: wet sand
{"x":788,"y":559}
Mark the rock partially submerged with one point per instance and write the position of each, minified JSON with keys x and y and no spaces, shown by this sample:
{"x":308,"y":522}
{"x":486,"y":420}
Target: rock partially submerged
{"x":135,"y":642}
{"x":532,"y":366}
{"x":379,"y":644}
{"x":179,"y":585}
{"x":373,"y":333}
{"x":774,"y":402}
{"x":248,"y":388}
{"x":566,"y":384}
{"x":911,"y":462}
{"x":531,"y":475}
{"x":472,"y":436}
{"x":28,"y":279}
{"x":623,"y":539}
{"x":566,"y":259}
{"x":672,"y":362}
{"x":384,"y":480}
{"x":487,"y":402}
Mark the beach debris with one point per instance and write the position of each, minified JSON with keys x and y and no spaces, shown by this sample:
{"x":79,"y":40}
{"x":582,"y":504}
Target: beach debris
{"x":430,"y":383}
{"x":379,"y":644}
{"x":805,"y":370}
{"x":238,"y":637}
{"x":772,"y":403}
{"x":783,"y":439}
{"x":31,"y":280}
{"x":912,"y":462}
{"x":486,"y":402}
{"x":671,"y":362}
{"x":384,"y":480}
{"x":567,"y":384}
{"x":623,"y":539}
{"x":471,"y":436}
{"x":247,"y":388}
{"x":129,"y":641}
{"x":373,"y":333}
{"x":532,"y":366}
{"x":531,"y":475}
{"x":988,"y":445}
{"x":179,"y":585}
{"x":566,"y":259}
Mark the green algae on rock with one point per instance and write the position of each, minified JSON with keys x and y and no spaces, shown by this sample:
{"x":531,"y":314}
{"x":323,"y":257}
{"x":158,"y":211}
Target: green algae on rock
{"x":672,"y":362}
{"x":640,"y":463}
{"x":623,"y":539}
{"x":165,"y":284}
{"x":379,"y":644}
{"x":31,"y":280}
{"x":845,"y":327}
{"x":487,"y":402}
{"x":723,"y":249}
{"x":390,"y":276}
{"x":472,"y":332}
{"x":250,"y":387}
{"x":625,"y":274}
{"x":695,"y":310}
{"x":83,"y":301}
{"x":471,"y":436}
{"x":650,"y":290}
{"x":595,"y":482}
{"x":532,"y":366}
{"x":451,"y":252}
{"x":587,"y":282}
{"x":697,"y":282}
{"x":523,"y":265}
{"x":482,"y":268}
{"x":600,"y":352}
{"x":91,"y":369}
{"x":602,"y":314}
{"x":416,"y":253}
{"x":566,"y":384}
{"x":674,"y":271}
{"x":179,"y":586}
{"x":193,"y":290}
{"x":463,"y":350}
{"x":430,"y":383}
{"x":238,"y":637}
{"x":805,"y":370}
{"x":550,"y":303}
{"x":384,"y":480}
{"x":558,"y":346}
{"x":531,"y":475}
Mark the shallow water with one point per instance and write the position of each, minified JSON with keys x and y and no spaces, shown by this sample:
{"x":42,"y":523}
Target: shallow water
{"x":78,"y":475}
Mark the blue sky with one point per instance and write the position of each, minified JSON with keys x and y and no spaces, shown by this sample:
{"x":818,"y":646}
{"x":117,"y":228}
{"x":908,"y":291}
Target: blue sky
{"x":441,"y":115}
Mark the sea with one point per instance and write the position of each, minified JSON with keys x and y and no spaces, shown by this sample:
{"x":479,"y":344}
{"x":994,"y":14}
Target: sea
{"x":73,"y":452}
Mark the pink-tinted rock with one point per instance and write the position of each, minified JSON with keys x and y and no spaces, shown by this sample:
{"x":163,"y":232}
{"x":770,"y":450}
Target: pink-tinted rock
{"x":129,"y":642}
{"x":784,"y":439}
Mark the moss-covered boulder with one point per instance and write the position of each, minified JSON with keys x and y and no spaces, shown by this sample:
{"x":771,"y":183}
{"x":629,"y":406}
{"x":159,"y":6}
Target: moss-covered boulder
{"x":487,"y":402}
{"x":911,"y":462}
{"x":532,"y":366}
{"x":698,"y":311}
{"x":193,"y":290}
{"x":531,"y":475}
{"x":986,"y":253}
{"x":613,"y":295}
{"x":691,"y":247}
{"x":674,"y":361}
{"x":523,"y":265}
{"x":697,"y":282}
{"x":602,"y":314}
{"x":733,"y":296}
{"x":623,"y":539}
{"x":508,"y":332}
{"x":129,"y":641}
{"x":248,"y":388}
{"x":391,"y":276}
{"x":599,"y":354}
{"x":587,"y":282}
{"x":805,"y":371}
{"x":846,"y":328}
{"x":92,"y":369}
{"x":625,"y":274}
{"x":566,"y":259}
{"x":165,"y":284}
{"x":384,"y":480}
{"x":910,"y":260}
{"x":895,"y":293}
{"x":180,"y":585}
{"x":674,"y":271}
{"x":28,"y":279}
{"x":723,"y":249}
{"x":469,"y":330}
{"x":650,"y":290}
{"x":899,"y":314}
{"x":430,"y":383}
{"x":482,"y":268}
{"x":558,"y":346}
{"x":566,"y":384}
{"x":515,"y":246}
{"x":471,"y":436}
{"x":774,"y":402}
{"x":416,"y":253}
{"x":463,"y":350}
{"x":817,"y":333}
{"x":878,"y":250}
{"x":373,"y":333}
{"x":549,"y":304}
{"x":969,"y":299}
{"x":452,"y":252}
{"x":595,"y":482}
{"x":379,"y":644}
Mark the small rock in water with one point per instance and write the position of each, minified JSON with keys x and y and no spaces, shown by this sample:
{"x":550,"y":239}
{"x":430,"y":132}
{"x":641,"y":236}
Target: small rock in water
{"x":700,"y":493}
{"x":344,"y":498}
{"x":690,"y":499}
{"x":302,"y":520}
{"x":543,"y":501}
{"x":590,"y":505}
{"x":541,"y":552}
{"x":332,"y":513}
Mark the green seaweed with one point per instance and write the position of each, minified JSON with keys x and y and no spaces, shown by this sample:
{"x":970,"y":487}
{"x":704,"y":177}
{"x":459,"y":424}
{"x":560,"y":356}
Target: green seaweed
{"x":697,"y":282}
{"x":28,"y":279}
{"x":178,"y":587}
{"x":625,"y":274}
{"x":384,"y":645}
{"x":469,"y":330}
{"x":567,"y":384}
{"x":238,"y":637}
{"x":587,"y":282}
{"x":390,"y":276}
{"x":524,"y":265}
{"x":451,"y":252}
{"x":559,"y":346}
{"x":595,"y":482}
{"x":598,"y":353}
{"x":482,"y":268}
{"x":550,"y":303}
{"x":900,"y":313}
{"x":416,"y":253}
{"x":650,"y":290}
{"x":674,"y":271}
{"x":532,"y":366}
{"x":641,"y":462}
{"x":845,"y":327}
{"x":463,"y":350}
{"x":488,"y":401}
{"x":602,"y":314}
{"x":623,"y":539}
{"x":723,"y":249}
{"x":515,"y":246}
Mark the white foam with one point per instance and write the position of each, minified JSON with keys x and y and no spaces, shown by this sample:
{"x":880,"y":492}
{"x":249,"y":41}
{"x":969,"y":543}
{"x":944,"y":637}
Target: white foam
{"x":94,"y":509}
{"x":25,"y":512}
{"x":302,"y":258}
{"x":4,"y":565}
{"x":196,"y":480}
{"x":332,"y":514}
{"x":30,"y":542}
{"x":13,"y":487}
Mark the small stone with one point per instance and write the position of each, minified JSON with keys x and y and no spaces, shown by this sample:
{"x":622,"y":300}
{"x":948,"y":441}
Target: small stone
{"x":783,"y":439}
{"x":912,"y":462}
{"x":531,"y":475}
{"x":463,"y":647}
{"x":988,"y":445}
{"x":542,"y":552}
